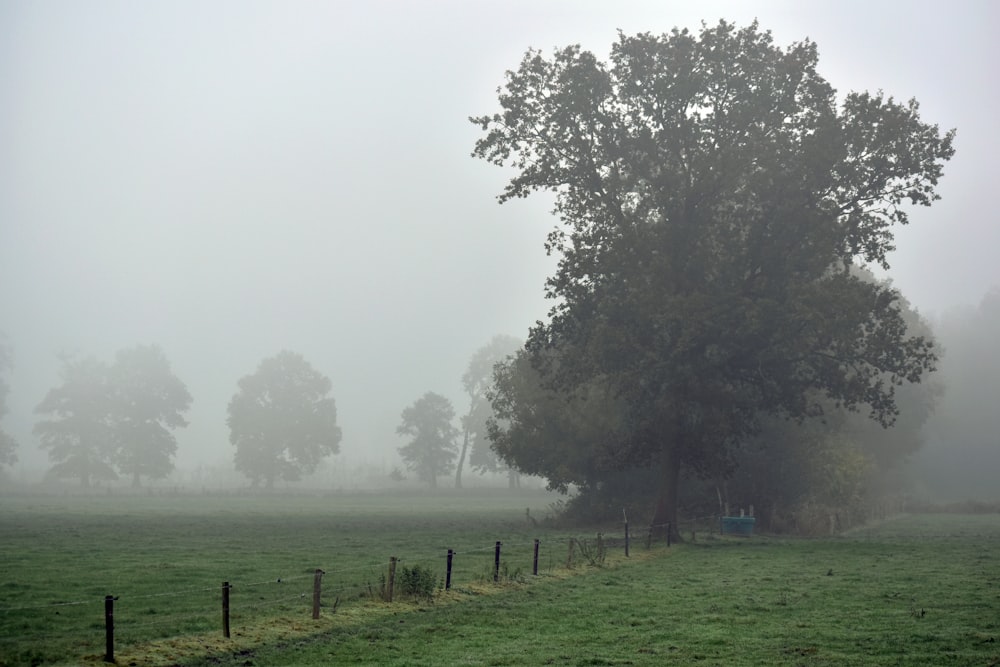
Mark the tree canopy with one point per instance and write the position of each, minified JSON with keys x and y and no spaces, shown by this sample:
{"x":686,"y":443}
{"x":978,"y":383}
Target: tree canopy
{"x":79,"y":431}
{"x":105,"y":419}
{"x":148,"y":402}
{"x":713,"y":196}
{"x":282,"y":420}
{"x":432,"y":449}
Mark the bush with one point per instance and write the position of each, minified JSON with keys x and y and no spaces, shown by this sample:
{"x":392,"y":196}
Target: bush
{"x":417,"y":581}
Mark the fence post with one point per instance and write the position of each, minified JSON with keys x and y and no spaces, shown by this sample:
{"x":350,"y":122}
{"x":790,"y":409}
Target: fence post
{"x":668,"y":534}
{"x":569,"y":556}
{"x":109,"y":628}
{"x":225,"y":609}
{"x":534,"y":563}
{"x":600,"y":547}
{"x":496,"y":563}
{"x":447,"y":576}
{"x":392,"y":577}
{"x":625,"y":517}
{"x":317,"y":578}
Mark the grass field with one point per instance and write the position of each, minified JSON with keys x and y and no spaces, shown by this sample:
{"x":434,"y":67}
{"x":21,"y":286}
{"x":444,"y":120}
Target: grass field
{"x":917,"y":590}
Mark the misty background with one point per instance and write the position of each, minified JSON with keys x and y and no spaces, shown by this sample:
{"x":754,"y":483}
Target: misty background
{"x":231,"y":179}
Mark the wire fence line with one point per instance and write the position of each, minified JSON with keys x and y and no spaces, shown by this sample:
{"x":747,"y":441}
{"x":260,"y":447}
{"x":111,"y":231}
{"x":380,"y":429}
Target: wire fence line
{"x":137,"y":617}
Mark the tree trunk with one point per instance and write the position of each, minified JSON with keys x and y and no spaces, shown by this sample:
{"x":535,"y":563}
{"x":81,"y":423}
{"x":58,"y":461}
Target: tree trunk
{"x":666,"y":505}
{"x":461,"y":460}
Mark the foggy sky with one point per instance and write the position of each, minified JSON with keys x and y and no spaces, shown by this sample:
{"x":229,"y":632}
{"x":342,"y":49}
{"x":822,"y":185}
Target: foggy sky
{"x":230,"y":179}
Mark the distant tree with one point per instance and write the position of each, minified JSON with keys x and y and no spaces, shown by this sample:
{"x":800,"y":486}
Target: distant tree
{"x":963,"y":450}
{"x":79,"y":433}
{"x":431,"y":451}
{"x":282,"y":420}
{"x":482,"y":457}
{"x":8,"y":445}
{"x":476,"y":380}
{"x":714,"y":194}
{"x":148,"y":402}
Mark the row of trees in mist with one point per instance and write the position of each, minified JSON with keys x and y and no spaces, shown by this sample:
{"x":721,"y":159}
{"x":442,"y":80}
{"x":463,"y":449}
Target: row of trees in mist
{"x":107,"y":420}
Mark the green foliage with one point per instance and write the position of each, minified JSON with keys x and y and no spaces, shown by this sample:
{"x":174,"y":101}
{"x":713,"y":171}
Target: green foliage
{"x":713,"y":199}
{"x":417,"y":581}
{"x":148,"y":402}
{"x":106,"y":419}
{"x":505,"y":574}
{"x":79,"y":435}
{"x":432,"y":450}
{"x":562,"y":436}
{"x":282,"y":420}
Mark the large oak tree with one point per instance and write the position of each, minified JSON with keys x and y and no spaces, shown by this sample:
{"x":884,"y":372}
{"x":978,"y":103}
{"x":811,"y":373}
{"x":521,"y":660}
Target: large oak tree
{"x":713,"y":195}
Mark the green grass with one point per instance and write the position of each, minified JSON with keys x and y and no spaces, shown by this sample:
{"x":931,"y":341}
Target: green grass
{"x":166,"y":558}
{"x":918,"y":590}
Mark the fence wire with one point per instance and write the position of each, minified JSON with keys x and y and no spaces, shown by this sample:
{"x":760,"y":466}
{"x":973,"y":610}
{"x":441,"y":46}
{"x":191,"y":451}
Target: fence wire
{"x":139,"y":617}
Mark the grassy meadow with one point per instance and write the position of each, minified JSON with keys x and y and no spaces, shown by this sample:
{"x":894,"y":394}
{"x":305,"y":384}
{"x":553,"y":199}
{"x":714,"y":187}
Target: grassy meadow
{"x":915,"y":590}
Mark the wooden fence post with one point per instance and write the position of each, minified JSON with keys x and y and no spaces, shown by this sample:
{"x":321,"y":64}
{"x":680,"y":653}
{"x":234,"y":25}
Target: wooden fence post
{"x":317,"y":578}
{"x":225,"y":609}
{"x":496,"y":563}
{"x":668,"y":534}
{"x":392,"y":577}
{"x":626,"y":539}
{"x":569,"y":556}
{"x":109,"y":628}
{"x":600,"y":547}
{"x":447,"y":576}
{"x":534,"y":563}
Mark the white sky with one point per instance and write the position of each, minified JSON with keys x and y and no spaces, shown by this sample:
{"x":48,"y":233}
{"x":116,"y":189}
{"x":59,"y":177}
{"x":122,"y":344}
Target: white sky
{"x":232,"y":178}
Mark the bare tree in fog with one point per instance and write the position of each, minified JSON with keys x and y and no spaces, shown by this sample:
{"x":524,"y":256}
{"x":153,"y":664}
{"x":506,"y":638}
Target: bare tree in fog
{"x":282,"y":421}
{"x":476,"y":381}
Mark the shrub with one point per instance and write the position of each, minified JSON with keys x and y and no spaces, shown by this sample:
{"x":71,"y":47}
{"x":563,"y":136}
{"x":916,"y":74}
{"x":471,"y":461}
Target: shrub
{"x":417,"y":581}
